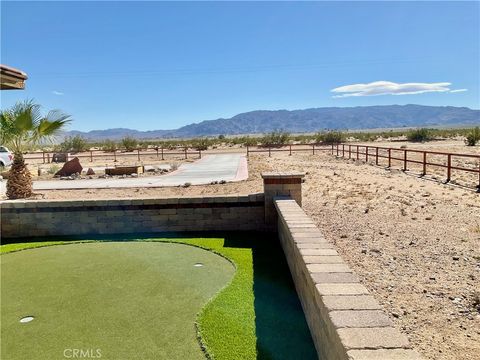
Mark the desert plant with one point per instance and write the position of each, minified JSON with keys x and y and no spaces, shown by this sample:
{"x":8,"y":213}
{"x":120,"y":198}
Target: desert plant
{"x":20,"y":127}
{"x":201,"y":144}
{"x":473,"y":137}
{"x":174,"y":166}
{"x":53,"y":169}
{"x":419,"y":135}
{"x":275,"y":138}
{"x":330,"y":137}
{"x":73,"y":144}
{"x":109,"y":145}
{"x":129,"y":143}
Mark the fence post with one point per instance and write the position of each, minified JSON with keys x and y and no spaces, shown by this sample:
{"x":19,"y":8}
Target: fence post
{"x":156,"y":149}
{"x":449,"y":167}
{"x":48,"y":158}
{"x":162,"y":154}
{"x":349,"y":152}
{"x":290,"y":154}
{"x":366,"y":154}
{"x":138,"y":154}
{"x":376,"y":155}
{"x":404,"y":160}
{"x":114,"y":155}
{"x":337,"y":149}
{"x":343,"y":150}
{"x":186,"y":155}
{"x":199,"y":153}
{"x":424,"y":172}
{"x":91,"y":156}
{"x":478,"y":187}
{"x":248,"y":151}
{"x":43,"y":153}
{"x":389,"y":158}
{"x":357,"y":151}
{"x":313,"y":149}
{"x":269,"y":151}
{"x":332,"y":149}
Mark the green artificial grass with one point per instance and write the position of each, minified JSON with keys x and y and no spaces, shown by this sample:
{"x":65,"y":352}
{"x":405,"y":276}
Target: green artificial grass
{"x":257,"y":314}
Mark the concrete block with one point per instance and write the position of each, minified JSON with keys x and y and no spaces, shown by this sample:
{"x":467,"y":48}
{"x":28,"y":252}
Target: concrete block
{"x":318,"y":259}
{"x":359,"y":318}
{"x":328,"y":268}
{"x":350,"y":302}
{"x":341,"y":289}
{"x":384,"y":354}
{"x":320,"y":252}
{"x":372,"y":338}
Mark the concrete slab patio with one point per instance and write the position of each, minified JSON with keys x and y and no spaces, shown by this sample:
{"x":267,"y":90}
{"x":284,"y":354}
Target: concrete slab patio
{"x":228,"y":167}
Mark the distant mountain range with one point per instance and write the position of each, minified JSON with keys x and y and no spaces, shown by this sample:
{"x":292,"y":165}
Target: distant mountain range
{"x":308,"y":120}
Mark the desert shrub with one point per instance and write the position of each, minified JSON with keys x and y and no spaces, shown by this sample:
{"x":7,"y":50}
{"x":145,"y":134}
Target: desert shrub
{"x":419,"y":135}
{"x":248,"y":141}
{"x":174,"y":166}
{"x":473,"y":137}
{"x":330,"y":137}
{"x":109,"y":145}
{"x":221,"y":137}
{"x":129,"y":143}
{"x":275,"y":138}
{"x":200,"y":144}
{"x":73,"y":144}
{"x":53,"y":169}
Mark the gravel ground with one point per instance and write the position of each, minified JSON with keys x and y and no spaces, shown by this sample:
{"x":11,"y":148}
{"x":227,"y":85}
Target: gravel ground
{"x":415,"y":243}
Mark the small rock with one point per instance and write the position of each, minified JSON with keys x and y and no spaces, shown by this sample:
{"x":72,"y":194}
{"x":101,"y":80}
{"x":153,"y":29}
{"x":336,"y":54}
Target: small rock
{"x":90,"y":171}
{"x":134,"y":175}
{"x":456,"y":258}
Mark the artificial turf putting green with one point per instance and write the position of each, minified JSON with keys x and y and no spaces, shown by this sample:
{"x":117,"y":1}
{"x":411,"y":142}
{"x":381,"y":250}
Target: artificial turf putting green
{"x":257,"y":315}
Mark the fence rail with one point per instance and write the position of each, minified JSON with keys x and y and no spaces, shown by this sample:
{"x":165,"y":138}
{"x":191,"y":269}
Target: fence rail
{"x":366,"y":152}
{"x":401,"y":157}
{"x":160,"y":153}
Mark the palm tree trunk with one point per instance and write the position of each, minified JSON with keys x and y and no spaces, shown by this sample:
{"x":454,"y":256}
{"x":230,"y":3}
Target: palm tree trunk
{"x":19,"y":184}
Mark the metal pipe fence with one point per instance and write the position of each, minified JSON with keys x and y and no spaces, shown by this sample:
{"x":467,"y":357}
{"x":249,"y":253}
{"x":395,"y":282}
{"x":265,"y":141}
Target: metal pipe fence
{"x":423,"y":160}
{"x":46,"y":157}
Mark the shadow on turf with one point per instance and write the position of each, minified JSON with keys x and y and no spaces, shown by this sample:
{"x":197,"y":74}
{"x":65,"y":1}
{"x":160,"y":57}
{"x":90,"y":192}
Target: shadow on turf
{"x":281,"y":329}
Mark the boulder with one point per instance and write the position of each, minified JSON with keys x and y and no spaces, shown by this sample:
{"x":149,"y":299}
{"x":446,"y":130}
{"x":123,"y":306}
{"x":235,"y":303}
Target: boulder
{"x":60,"y":157}
{"x":90,"y":171}
{"x":70,"y":167}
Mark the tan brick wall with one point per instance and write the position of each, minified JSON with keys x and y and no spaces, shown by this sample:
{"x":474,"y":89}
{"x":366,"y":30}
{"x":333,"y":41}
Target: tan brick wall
{"x":345,"y":321}
{"x":280,"y":184}
{"x":54,"y":218}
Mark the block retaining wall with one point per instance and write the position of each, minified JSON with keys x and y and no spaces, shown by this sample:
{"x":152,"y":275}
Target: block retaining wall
{"x":345,"y":321}
{"x":54,"y":218}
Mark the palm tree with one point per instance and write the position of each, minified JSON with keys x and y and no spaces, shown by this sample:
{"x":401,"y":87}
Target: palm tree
{"x":21,"y":127}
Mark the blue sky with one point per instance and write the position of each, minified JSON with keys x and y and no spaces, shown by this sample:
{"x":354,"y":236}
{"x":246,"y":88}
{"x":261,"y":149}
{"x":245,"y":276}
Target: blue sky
{"x":161,"y":65}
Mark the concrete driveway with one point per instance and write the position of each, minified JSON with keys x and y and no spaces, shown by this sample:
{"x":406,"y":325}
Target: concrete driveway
{"x":228,"y":167}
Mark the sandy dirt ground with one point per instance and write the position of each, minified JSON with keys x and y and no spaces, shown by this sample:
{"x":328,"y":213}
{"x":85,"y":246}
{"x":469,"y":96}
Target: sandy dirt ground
{"x":414,"y":242}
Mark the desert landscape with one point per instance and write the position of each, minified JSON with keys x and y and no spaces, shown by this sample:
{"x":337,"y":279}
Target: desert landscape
{"x":415,"y":242}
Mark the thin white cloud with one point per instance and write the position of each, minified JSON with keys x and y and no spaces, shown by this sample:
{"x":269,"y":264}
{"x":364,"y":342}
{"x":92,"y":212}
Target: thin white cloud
{"x":55,"y":92}
{"x":389,"y":88}
{"x":458,"y":90}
